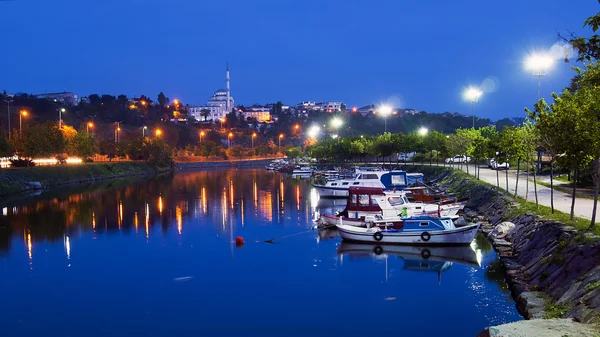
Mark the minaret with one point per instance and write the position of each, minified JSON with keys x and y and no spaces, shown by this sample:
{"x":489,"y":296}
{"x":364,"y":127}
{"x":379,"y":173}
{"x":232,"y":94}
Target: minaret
{"x":227,"y":107}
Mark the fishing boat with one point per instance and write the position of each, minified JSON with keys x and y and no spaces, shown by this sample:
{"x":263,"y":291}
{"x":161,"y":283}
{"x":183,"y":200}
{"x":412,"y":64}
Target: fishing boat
{"x":410,"y":230}
{"x":372,"y":178}
{"x":364,"y":203}
{"x":302,"y":172}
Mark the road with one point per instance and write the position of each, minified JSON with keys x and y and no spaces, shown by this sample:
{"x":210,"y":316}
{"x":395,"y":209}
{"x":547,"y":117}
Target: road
{"x":562,"y":201}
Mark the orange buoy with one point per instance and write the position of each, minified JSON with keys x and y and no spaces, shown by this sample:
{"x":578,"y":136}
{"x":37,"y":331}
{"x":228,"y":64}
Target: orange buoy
{"x":239,"y":241}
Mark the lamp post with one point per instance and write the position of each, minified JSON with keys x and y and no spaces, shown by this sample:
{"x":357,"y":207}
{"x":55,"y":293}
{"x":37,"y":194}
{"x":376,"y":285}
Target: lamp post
{"x":8,"y":114}
{"x":538,"y":64}
{"x":253,"y":136}
{"x":229,"y":135}
{"x":336,"y":123}
{"x":60,"y":111}
{"x":472,"y":95}
{"x":385,"y":110}
{"x":313,"y":132}
{"x":222,"y":120}
{"x":144,"y":131}
{"x":23,"y":113}
{"x":201,"y":134}
{"x":117,"y":130}
{"x":280,"y":136}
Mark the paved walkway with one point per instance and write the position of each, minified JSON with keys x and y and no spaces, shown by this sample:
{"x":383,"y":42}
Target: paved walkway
{"x":562,"y":201}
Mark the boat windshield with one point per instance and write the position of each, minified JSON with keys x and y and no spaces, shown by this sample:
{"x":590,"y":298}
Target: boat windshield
{"x":395,"y":201}
{"x":363,"y":200}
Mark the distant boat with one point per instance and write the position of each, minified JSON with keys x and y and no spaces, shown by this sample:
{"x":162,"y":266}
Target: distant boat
{"x":411,"y":230}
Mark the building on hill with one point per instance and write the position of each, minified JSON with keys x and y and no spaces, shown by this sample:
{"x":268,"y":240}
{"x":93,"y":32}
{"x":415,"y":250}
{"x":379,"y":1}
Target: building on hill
{"x":218,"y":106}
{"x":368,"y":109}
{"x":330,"y":106}
{"x":260,"y":113}
{"x":61,"y":97}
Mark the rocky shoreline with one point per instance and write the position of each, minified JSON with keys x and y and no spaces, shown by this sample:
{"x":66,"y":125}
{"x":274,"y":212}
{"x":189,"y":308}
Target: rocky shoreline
{"x":553,"y":270}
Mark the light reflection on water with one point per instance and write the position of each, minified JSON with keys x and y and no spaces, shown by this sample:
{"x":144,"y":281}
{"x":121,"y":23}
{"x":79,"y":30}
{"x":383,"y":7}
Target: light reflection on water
{"x":190,"y":224}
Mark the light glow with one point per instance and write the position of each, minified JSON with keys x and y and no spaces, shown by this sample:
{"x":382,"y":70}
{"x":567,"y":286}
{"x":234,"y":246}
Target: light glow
{"x":538,"y":63}
{"x":423,"y":131}
{"x":385,"y":110}
{"x":472,"y":94}
{"x":314,"y":131}
{"x":336,"y":123}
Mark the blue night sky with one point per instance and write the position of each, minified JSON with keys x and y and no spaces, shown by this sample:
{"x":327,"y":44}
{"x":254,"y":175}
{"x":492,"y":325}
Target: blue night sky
{"x":415,"y":54}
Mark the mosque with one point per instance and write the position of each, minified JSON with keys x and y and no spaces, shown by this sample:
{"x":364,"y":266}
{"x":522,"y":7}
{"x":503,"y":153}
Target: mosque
{"x":219,"y":105}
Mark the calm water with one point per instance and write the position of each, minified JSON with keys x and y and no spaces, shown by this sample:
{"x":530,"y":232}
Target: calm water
{"x":158,"y":258}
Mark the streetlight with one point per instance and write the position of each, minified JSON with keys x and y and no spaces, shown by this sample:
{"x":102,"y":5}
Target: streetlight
{"x":222,"y":120}
{"x":280,"y":136}
{"x":158,"y":132}
{"x":201,"y":134}
{"x":144,"y":131}
{"x":385,"y":110}
{"x":472,"y":95}
{"x":538,"y":64}
{"x":314,"y":131}
{"x":88,"y":126}
{"x":8,"y":114}
{"x":253,"y":136}
{"x":23,"y":113}
{"x":60,"y":111}
{"x":229,"y":135}
{"x":423,"y":131}
{"x":117,"y":130}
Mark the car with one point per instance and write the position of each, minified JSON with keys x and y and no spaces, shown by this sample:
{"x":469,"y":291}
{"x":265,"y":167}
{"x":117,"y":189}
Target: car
{"x":494,"y":165}
{"x":458,"y":159}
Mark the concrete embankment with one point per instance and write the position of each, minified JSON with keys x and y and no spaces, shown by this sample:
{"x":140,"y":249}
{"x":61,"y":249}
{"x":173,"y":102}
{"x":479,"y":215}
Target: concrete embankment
{"x":259,"y":163}
{"x":43,"y":177}
{"x":553,"y":270}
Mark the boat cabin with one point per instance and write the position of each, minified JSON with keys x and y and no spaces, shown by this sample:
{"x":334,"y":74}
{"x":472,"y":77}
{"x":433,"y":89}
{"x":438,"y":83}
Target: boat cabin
{"x":427,"y":195}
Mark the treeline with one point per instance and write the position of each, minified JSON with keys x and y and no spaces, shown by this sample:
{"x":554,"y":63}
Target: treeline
{"x":47,"y":140}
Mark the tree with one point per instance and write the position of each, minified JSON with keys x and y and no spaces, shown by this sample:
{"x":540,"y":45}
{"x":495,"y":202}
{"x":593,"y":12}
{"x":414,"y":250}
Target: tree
{"x":42,"y":140}
{"x":343,"y":108}
{"x":84,"y":145}
{"x":163,"y":100}
{"x":5,"y":147}
{"x":294,"y":152}
{"x":205,"y":113}
{"x":135,"y":149}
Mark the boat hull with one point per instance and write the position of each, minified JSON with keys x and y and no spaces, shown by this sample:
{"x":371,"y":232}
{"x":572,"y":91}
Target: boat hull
{"x":331,"y":192}
{"x":458,"y":236}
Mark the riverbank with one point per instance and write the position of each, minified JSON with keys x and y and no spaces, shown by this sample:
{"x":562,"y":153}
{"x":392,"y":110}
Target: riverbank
{"x":553,"y":270}
{"x":245,"y":163}
{"x":18,"y":180}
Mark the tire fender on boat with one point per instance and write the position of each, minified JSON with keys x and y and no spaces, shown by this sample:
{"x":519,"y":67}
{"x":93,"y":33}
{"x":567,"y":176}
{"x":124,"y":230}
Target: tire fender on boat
{"x":425,"y":254}
{"x":425,"y":236}
{"x":378,"y":236}
{"x":378,"y":250}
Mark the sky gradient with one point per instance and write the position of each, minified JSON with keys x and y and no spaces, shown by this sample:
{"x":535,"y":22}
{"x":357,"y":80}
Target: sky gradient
{"x":414,"y":54}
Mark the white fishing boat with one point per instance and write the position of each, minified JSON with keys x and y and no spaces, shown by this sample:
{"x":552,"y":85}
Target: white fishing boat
{"x":373,"y":178}
{"x":302,"y":172}
{"x":367,"y":204}
{"x":411,"y":230}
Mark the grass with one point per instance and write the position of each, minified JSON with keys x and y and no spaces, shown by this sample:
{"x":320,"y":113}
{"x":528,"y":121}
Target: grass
{"x":554,"y":310}
{"x":15,"y":179}
{"x":546,"y":212}
{"x":567,"y":190}
{"x":592,"y":286}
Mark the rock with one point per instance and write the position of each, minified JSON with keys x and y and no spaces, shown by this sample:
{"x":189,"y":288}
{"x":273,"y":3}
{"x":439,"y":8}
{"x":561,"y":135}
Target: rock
{"x":502,"y":230}
{"x":531,"y":304}
{"x":543,"y":327}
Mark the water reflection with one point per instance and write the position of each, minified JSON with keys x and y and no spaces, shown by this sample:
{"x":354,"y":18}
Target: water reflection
{"x":219,"y":198}
{"x":136,"y":244}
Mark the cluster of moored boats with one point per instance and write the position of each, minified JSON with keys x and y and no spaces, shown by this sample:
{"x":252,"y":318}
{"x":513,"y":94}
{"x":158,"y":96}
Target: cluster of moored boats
{"x":394,"y":207}
{"x":385,"y":206}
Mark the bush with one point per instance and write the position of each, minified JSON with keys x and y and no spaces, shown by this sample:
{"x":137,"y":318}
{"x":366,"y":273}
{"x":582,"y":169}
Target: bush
{"x":21,"y":162}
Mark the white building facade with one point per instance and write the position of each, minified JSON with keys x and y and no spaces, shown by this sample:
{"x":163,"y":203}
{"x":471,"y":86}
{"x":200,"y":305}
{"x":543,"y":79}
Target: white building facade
{"x":218,"y":106}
